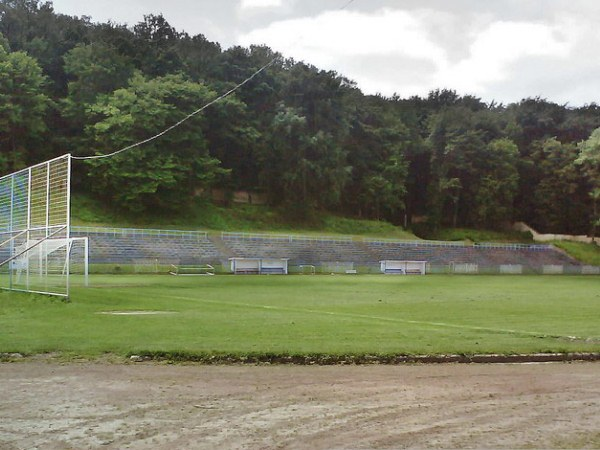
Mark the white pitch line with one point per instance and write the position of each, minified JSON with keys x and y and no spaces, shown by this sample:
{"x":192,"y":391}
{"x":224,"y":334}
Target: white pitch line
{"x":135,"y":313}
{"x":389,"y":319}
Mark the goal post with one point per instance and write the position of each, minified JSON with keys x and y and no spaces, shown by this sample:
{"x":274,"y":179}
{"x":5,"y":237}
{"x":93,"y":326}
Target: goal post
{"x":35,"y":244}
{"x":192,"y":270}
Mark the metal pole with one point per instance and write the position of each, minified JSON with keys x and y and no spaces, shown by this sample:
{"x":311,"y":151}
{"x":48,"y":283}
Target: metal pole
{"x":44,"y":268}
{"x":68,"y":219}
{"x":10,"y":229}
{"x":86,"y":261}
{"x":28,"y":225}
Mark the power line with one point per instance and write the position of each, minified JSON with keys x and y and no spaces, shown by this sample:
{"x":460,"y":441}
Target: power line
{"x":189,"y":116}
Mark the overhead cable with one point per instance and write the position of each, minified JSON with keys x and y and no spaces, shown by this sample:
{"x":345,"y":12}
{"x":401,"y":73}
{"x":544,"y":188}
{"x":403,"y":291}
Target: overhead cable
{"x":189,"y":116}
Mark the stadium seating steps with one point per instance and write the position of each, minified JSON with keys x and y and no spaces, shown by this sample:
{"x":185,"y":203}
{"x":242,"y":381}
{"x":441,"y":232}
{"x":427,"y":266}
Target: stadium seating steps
{"x":125,"y":249}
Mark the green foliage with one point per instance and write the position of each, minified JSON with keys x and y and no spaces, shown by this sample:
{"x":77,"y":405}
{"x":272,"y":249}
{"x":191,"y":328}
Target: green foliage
{"x":86,"y":210}
{"x":95,"y":69}
{"x":156,"y":46}
{"x":497,"y":184}
{"x":307,"y":138}
{"x":589,"y":160}
{"x":166,"y":173}
{"x":23,"y":106}
{"x":559,"y":193}
{"x":378,"y":150}
{"x":304,"y":172}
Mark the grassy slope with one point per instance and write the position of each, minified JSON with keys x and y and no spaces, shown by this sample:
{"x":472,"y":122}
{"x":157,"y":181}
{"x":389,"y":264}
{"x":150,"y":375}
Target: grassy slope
{"x":473,"y":235}
{"x":245,"y":218}
{"x":586,"y":253}
{"x":308,"y":315}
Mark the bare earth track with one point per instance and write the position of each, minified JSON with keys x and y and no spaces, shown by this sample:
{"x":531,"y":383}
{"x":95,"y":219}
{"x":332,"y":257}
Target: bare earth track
{"x":151,"y":405}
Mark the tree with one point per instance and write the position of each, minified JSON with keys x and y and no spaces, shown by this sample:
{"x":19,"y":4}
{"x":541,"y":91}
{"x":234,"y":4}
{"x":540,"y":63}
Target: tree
{"x":199,"y":56}
{"x":497,"y":184}
{"x":300,"y":170}
{"x":559,"y":195}
{"x":23,"y":106}
{"x":95,"y":69}
{"x":156,"y":46}
{"x":589,"y":160}
{"x":165,"y":173}
{"x":451,"y":187}
{"x":32,"y":26}
{"x":376,"y":147}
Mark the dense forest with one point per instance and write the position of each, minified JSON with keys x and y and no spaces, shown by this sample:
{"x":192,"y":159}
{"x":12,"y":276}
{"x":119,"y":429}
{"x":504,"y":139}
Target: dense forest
{"x":308,"y":139}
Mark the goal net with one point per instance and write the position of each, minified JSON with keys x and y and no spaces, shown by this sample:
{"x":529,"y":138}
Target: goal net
{"x":204,"y":269}
{"x":36,"y":250}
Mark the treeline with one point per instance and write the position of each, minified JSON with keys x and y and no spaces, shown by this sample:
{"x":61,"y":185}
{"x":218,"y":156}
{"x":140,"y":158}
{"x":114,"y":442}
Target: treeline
{"x":307,"y":138}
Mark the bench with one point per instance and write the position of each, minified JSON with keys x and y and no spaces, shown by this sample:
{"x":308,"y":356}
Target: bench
{"x":272,"y":271}
{"x":246,"y":271}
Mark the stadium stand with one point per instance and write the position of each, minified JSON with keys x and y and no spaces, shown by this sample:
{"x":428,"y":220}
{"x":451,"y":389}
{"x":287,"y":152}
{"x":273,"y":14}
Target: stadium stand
{"x":131,"y":246}
{"x":127,"y":246}
{"x":301,"y":250}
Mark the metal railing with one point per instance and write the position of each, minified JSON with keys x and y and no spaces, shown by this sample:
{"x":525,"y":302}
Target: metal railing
{"x":408,"y":243}
{"x":460,"y":244}
{"x":239,"y":236}
{"x":142,"y":232}
{"x":231,"y":236}
{"x":513,"y":246}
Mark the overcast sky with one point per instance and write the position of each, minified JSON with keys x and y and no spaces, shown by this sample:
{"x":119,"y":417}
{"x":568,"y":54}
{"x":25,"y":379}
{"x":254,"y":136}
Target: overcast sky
{"x":502,"y":50}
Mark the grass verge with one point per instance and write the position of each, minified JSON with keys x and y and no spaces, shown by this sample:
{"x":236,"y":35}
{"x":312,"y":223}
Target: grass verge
{"x":586,"y":253}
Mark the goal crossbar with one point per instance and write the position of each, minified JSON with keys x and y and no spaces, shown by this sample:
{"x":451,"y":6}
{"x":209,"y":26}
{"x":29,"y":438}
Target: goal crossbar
{"x":191,"y":270}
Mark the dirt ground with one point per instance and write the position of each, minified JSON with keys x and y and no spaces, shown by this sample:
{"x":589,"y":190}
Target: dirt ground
{"x":154,"y":406}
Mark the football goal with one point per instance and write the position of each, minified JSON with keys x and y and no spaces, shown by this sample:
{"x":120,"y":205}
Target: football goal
{"x":37,"y":253}
{"x":191,"y":270}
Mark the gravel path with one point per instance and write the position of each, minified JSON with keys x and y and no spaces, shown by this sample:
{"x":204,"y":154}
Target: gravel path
{"x":154,"y":406}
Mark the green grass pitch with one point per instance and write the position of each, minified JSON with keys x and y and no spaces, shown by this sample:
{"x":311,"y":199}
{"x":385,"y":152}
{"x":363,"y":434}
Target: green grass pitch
{"x":301,"y":315}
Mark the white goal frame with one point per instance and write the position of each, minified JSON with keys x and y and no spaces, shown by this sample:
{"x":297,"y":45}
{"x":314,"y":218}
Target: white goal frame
{"x":191,"y":270}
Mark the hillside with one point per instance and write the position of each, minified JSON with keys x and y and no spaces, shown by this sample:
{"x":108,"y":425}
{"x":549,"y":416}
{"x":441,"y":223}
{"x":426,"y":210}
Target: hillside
{"x":307,"y":139}
{"x":262,"y":219}
{"x":244,"y":218}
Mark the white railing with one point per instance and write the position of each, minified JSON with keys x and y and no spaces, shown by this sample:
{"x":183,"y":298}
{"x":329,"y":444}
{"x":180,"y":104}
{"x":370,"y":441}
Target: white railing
{"x":407,"y":243}
{"x":143,"y":232}
{"x":230,"y":236}
{"x":460,"y":244}
{"x":513,"y":246}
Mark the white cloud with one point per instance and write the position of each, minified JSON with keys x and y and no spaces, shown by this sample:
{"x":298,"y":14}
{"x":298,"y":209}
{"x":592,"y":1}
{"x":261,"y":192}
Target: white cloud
{"x":332,"y":40}
{"x":494,"y":51}
{"x":343,"y":33}
{"x":412,"y":52}
{"x":252,"y":4}
{"x":501,"y":49}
